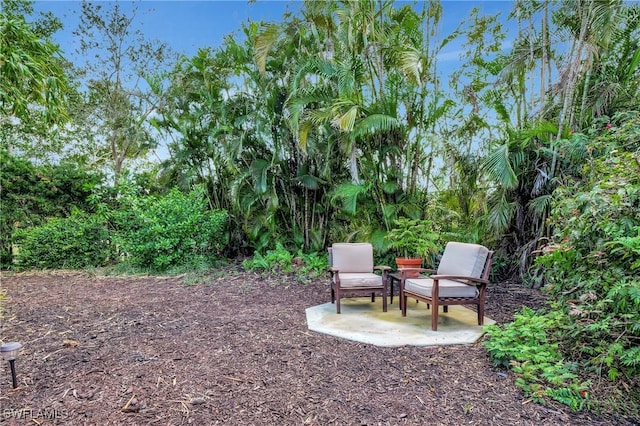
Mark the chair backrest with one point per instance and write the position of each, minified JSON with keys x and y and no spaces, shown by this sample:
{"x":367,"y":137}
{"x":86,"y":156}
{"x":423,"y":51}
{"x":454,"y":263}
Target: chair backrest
{"x":351,"y":257}
{"x":469,"y":260}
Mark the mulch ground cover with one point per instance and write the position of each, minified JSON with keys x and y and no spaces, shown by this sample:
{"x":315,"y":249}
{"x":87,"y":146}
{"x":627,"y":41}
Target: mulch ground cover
{"x":233,"y":348}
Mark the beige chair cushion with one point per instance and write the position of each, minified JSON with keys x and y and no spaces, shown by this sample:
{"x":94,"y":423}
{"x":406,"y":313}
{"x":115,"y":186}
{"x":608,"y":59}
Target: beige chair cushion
{"x":463,"y":259}
{"x":360,"y":279}
{"x":446,"y":288}
{"x":352,"y":257}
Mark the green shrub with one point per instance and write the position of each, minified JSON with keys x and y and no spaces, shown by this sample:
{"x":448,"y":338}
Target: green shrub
{"x":314,"y":264}
{"x":159,"y":233}
{"x":281,"y":260}
{"x":77,"y":242}
{"x":529,"y":346}
{"x":593,"y":276}
{"x":593,"y":326}
{"x":276,"y":260}
{"x":30,"y":194}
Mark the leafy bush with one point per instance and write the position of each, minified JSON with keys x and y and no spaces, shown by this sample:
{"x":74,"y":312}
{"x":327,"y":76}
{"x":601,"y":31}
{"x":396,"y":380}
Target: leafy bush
{"x":281,"y":260}
{"x":30,"y":194}
{"x":592,"y":278}
{"x":79,"y":241}
{"x":277,"y":260}
{"x":159,"y":233}
{"x":313,"y":264}
{"x":529,"y":346}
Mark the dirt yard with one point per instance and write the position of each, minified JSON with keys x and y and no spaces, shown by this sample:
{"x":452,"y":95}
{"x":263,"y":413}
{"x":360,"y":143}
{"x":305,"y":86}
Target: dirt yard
{"x":234,"y":348}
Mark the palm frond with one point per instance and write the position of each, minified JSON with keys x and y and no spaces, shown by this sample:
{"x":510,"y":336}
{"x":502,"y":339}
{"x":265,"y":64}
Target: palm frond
{"x":501,"y":213}
{"x":375,"y":123}
{"x":346,"y":80}
{"x":303,"y":133}
{"x":575,"y":149}
{"x":633,"y":66}
{"x":348,"y":194}
{"x":262,"y":45}
{"x":497,"y":164}
{"x":540,"y":181}
{"x":501,"y":109}
{"x":411,"y":64}
{"x":320,"y":116}
{"x":539,"y":205}
{"x":259,"y":169}
{"x":346,"y":121}
{"x":605,"y":93}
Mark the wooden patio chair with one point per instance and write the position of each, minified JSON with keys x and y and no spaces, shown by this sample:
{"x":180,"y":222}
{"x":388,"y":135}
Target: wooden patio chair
{"x":461,"y":279}
{"x":353,"y":272}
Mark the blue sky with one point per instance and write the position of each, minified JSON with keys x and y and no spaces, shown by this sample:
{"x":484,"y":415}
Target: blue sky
{"x":184,"y":25}
{"x":189,"y":25}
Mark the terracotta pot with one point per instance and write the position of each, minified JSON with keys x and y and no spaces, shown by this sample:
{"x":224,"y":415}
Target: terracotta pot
{"x":404,"y":262}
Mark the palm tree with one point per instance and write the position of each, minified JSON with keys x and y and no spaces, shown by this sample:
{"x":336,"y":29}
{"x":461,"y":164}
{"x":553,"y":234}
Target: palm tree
{"x":33,"y":84}
{"x":519,"y":203}
{"x":615,"y":80}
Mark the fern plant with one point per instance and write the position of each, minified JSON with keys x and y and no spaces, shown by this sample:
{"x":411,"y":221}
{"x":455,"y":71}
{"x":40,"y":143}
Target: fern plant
{"x":529,"y":347}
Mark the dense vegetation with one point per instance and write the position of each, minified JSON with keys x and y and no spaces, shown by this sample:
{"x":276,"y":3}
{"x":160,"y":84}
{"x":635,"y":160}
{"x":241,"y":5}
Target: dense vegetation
{"x":334,"y":124}
{"x":592,"y":324}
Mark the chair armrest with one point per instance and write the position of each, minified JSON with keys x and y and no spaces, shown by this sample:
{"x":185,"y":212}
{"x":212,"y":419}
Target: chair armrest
{"x":459,"y":278}
{"x":382,"y":268}
{"x":403,"y":270}
{"x":334,"y":272}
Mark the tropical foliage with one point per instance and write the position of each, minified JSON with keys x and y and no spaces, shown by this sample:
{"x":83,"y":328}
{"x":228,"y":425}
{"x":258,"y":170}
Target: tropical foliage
{"x":335,"y":124}
{"x":33,"y":84}
{"x":414,"y":238}
{"x":592,"y":276}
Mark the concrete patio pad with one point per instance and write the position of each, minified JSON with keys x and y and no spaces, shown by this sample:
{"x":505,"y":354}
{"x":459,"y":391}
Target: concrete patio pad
{"x":365,"y":322}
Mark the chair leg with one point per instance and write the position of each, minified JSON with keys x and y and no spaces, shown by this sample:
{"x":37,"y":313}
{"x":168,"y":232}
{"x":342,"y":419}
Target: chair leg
{"x":434,"y":316}
{"x":333,"y":295}
{"x":480,"y":314}
{"x":445,"y":308}
{"x":338,"y":300}
{"x":403,"y":304}
{"x":384,"y":301}
{"x":373,"y":297}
